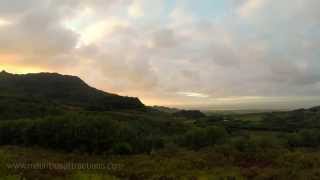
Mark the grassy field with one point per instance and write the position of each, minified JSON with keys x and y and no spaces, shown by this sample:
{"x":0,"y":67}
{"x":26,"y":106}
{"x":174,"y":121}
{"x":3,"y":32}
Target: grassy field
{"x":207,"y":164}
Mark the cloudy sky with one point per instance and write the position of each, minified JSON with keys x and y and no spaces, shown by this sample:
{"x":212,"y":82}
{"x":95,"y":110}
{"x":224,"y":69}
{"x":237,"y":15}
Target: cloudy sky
{"x":205,"y":53}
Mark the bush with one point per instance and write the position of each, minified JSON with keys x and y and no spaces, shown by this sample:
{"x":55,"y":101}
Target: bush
{"x":293,"y":140}
{"x":310,"y":138}
{"x":196,"y":138}
{"x":304,"y":138}
{"x":216,"y":135}
{"x":244,"y":144}
{"x":201,"y":137}
{"x":122,"y":149}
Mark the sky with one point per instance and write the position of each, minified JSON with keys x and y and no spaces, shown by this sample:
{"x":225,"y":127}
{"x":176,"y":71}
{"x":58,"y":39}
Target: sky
{"x":207,"y":54}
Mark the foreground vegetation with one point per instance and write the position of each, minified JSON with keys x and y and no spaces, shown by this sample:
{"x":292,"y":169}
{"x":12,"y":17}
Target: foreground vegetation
{"x":149,"y":144}
{"x":210,"y":163}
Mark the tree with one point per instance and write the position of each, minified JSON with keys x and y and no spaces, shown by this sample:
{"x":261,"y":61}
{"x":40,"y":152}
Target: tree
{"x":215,"y":135}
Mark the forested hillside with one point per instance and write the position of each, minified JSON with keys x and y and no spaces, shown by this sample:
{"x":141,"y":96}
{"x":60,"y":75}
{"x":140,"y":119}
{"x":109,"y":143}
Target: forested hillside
{"x":51,"y":89}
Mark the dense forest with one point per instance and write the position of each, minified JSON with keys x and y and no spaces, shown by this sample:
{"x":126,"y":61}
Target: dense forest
{"x":64,"y":118}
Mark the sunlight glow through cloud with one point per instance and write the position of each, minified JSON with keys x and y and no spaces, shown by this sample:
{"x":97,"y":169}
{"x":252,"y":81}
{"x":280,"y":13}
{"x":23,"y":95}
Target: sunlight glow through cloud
{"x":135,"y":10}
{"x":4,"y":22}
{"x":193,"y":94}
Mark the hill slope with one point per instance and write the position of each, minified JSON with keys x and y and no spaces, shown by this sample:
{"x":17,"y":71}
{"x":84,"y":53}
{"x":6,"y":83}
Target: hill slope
{"x":63,"y":90}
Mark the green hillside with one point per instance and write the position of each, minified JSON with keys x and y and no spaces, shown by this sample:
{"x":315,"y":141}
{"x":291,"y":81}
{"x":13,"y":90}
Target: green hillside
{"x":59,"y":90}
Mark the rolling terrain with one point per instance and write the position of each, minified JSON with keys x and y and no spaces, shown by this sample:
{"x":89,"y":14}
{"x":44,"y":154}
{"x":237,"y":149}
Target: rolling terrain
{"x":58,"y":119}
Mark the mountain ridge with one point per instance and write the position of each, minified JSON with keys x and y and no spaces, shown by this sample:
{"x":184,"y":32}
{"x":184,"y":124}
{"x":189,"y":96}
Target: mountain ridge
{"x":63,"y":89}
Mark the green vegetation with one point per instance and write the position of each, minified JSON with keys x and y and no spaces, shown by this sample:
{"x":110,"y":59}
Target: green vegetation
{"x":63,"y":90}
{"x":190,"y":114}
{"x":41,"y":123}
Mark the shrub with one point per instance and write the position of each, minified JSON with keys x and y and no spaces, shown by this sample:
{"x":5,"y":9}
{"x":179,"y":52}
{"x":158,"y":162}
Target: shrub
{"x":122,"y":149}
{"x":304,"y":138}
{"x":196,"y":138}
{"x":243,"y":144}
{"x":201,"y":137}
{"x":216,"y":135}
